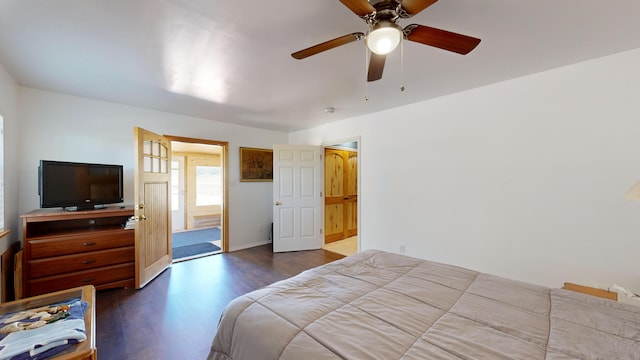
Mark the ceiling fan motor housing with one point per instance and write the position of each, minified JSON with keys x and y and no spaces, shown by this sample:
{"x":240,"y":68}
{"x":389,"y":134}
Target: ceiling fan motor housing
{"x":385,"y":10}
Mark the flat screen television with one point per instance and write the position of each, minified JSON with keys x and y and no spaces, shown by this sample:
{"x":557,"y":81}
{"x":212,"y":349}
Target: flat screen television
{"x":79,"y":186}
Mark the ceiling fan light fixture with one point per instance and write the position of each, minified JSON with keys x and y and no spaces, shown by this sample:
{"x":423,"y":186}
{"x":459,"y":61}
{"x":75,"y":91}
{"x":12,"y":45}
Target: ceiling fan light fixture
{"x":384,"y":37}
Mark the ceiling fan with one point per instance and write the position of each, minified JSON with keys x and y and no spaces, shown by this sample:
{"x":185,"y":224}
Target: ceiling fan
{"x":385,"y":34}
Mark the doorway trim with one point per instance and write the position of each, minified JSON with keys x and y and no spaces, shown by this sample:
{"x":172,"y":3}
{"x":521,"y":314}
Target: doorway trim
{"x":224,"y":234}
{"x":334,"y":144}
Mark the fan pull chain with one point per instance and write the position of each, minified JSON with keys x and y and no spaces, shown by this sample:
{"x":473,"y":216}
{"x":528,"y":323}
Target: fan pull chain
{"x":401,"y":65}
{"x":366,"y":67}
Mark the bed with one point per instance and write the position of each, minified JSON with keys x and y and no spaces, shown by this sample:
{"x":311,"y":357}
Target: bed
{"x":379,"y":305}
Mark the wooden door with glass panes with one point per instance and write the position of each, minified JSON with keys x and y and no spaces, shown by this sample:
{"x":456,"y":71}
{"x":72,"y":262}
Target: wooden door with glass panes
{"x":152,"y":177}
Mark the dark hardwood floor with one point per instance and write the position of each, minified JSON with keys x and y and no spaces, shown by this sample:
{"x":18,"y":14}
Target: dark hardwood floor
{"x":176,"y":315}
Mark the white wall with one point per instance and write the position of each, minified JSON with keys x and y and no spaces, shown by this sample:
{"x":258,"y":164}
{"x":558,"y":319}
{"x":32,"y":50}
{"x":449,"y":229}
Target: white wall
{"x":523,"y":178}
{"x":9,"y":111}
{"x":67,"y":128}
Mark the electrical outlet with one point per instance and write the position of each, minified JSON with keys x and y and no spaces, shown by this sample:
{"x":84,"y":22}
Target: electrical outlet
{"x":402,"y":248}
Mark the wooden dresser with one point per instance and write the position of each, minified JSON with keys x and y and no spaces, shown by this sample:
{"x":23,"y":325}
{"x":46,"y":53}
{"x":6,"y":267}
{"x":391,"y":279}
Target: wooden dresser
{"x":63,"y":249}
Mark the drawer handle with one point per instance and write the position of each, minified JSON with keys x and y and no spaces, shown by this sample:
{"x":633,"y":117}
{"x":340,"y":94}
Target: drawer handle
{"x":90,"y":243}
{"x":87,"y":280}
{"x":87,"y":262}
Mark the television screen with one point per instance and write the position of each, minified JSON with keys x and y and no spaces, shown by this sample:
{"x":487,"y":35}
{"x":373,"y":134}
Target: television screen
{"x":79,"y":185}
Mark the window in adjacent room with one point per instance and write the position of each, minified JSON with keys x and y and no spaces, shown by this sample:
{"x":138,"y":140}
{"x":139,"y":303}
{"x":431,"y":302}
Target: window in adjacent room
{"x":208,"y":185}
{"x":175,"y":185}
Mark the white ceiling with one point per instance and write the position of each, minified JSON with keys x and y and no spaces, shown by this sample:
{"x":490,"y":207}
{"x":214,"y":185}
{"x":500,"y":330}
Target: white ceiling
{"x":229,"y":60}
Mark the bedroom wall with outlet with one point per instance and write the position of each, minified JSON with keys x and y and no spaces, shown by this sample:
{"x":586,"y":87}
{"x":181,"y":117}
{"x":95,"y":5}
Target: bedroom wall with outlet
{"x":523,"y":178}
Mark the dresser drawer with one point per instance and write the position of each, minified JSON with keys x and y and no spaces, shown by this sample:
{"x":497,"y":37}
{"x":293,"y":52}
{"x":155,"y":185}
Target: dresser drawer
{"x":78,"y":243}
{"x":78,"y":262}
{"x":96,"y":277}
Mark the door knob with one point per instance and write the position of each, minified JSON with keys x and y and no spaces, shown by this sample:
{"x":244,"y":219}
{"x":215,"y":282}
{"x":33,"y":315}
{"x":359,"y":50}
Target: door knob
{"x":277,"y":203}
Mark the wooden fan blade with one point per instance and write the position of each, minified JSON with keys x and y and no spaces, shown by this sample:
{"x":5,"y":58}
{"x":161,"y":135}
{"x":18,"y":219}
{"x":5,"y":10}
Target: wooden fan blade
{"x":446,"y":40}
{"x":412,"y":7}
{"x":376,"y":66}
{"x":359,"y":7}
{"x":328,"y":45}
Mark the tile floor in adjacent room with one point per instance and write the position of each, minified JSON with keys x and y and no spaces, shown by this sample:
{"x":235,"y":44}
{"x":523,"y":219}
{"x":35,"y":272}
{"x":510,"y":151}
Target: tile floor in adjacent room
{"x":345,"y":247}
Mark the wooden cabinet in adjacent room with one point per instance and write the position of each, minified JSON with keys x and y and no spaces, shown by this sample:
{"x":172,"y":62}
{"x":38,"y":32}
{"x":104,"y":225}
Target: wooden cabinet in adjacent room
{"x":64,"y":249}
{"x":341,"y":194}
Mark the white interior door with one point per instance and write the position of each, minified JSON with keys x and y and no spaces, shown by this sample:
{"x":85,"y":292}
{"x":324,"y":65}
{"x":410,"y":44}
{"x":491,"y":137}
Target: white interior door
{"x":297,"y":197}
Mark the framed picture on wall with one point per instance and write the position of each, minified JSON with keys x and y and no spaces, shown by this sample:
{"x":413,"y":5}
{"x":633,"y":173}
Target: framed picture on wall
{"x":256,"y":164}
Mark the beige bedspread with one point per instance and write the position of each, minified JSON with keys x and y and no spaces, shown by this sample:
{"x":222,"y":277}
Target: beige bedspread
{"x":377,"y":305}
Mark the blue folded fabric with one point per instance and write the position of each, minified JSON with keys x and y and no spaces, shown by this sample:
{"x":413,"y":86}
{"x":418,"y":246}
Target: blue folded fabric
{"x":48,"y":340}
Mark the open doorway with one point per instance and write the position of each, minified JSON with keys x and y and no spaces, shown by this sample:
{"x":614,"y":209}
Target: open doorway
{"x":198,"y":198}
{"x":341,"y":184}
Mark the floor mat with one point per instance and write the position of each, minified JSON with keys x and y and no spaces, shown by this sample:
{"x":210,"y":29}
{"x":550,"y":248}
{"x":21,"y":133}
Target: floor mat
{"x":194,"y":249}
{"x":192,"y":237}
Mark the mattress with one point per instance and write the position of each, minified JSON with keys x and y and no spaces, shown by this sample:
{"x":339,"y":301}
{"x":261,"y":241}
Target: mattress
{"x":379,"y":305}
